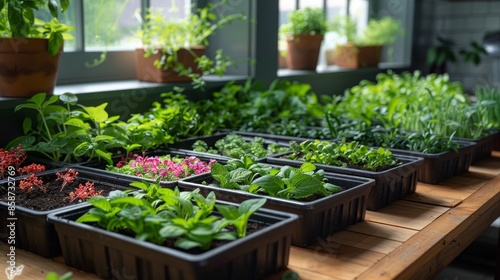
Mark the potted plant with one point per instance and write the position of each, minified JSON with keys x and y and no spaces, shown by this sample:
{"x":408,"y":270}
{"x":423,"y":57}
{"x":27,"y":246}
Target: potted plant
{"x":363,"y":50}
{"x":31,"y":193}
{"x":304,"y":33}
{"x":173,"y":50}
{"x":170,"y":234}
{"x":315,"y":196}
{"x":65,"y":131}
{"x":395,"y":175}
{"x":29,"y":46}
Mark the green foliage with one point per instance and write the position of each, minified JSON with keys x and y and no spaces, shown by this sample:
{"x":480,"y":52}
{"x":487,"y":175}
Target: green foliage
{"x":168,"y":121}
{"x":19,"y":19}
{"x":344,"y":154}
{"x":69,"y":131}
{"x":170,"y":35}
{"x":489,"y":98}
{"x":156,"y":214}
{"x":381,"y":31}
{"x":344,"y":26}
{"x":285,"y":182}
{"x":305,"y":21}
{"x":285,"y":108}
{"x":425,"y":142}
{"x":235,"y":146}
{"x":414,"y":102}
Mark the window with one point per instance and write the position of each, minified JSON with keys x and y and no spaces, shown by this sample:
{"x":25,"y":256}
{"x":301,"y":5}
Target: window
{"x":246,"y":42}
{"x":361,"y":11}
{"x":106,"y":26}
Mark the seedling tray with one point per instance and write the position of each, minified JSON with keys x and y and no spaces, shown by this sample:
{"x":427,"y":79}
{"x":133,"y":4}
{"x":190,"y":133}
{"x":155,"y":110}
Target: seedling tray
{"x":112,"y":255}
{"x":390,"y":185}
{"x":441,"y":166}
{"x":186,"y":145}
{"x":100,"y":167}
{"x":318,"y":218}
{"x":32,"y":232}
{"x":484,"y":146}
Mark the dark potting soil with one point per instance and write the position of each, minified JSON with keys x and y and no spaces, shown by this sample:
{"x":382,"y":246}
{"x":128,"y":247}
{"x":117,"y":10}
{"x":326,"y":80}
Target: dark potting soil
{"x":52,"y":198}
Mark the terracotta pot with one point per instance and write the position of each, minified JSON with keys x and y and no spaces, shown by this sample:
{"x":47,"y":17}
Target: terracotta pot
{"x":303,"y":51}
{"x":353,"y":56}
{"x":148,"y":72}
{"x":26,"y":68}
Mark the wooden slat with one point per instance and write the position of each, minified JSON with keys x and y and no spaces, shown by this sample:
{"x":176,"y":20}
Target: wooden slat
{"x":337,"y":262}
{"x":446,"y":194}
{"x":406,"y":214}
{"x":384,"y":231}
{"x":36,"y":267}
{"x":413,"y":238}
{"x":489,"y":166}
{"x":435,"y":246}
{"x":363,"y":241}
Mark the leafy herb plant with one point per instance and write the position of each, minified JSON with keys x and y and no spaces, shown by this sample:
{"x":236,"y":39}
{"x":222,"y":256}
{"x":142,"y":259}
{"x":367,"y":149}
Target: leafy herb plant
{"x":20,"y":19}
{"x":67,"y":132}
{"x":425,"y":142}
{"x":344,"y":154}
{"x":165,"y":216}
{"x":235,"y":146}
{"x":286,"y":182}
{"x":165,"y":34}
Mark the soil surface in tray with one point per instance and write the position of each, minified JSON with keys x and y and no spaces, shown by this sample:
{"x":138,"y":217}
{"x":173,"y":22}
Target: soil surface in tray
{"x":52,"y":198}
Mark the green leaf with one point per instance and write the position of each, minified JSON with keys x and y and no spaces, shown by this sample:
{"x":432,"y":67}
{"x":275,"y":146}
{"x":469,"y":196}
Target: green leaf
{"x":56,"y":41}
{"x":37,"y":99}
{"x":27,"y":123}
{"x":271,"y":184}
{"x":116,"y":194}
{"x":171,"y":231}
{"x":27,"y":106}
{"x":249,"y":206}
{"x":98,"y":113}
{"x":69,"y":98}
{"x":100,"y":203}
{"x":77,"y":123}
{"x":239,"y":175}
{"x":225,"y":236}
{"x":106,"y":138}
{"x":81,"y":149}
{"x":304,"y":185}
{"x":307,"y":167}
{"x":140,"y":185}
{"x":104,"y":155}
{"x":228,"y":211}
{"x":186,"y":244}
{"x":53,"y":8}
{"x":128,"y":200}
{"x":89,"y":218}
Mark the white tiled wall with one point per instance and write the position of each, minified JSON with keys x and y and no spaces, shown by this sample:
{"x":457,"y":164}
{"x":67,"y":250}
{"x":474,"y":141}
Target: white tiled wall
{"x":463,"y":22}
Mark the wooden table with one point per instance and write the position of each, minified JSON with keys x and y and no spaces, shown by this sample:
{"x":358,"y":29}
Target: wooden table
{"x":414,"y":238}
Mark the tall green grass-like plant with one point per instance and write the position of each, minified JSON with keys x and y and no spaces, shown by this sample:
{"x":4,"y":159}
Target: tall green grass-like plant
{"x":489,"y":96}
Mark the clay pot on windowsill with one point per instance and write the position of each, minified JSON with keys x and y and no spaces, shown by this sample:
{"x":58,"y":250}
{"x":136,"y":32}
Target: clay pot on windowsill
{"x":353,"y":56}
{"x":26,"y":67}
{"x":148,"y":72}
{"x":303,"y":51}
